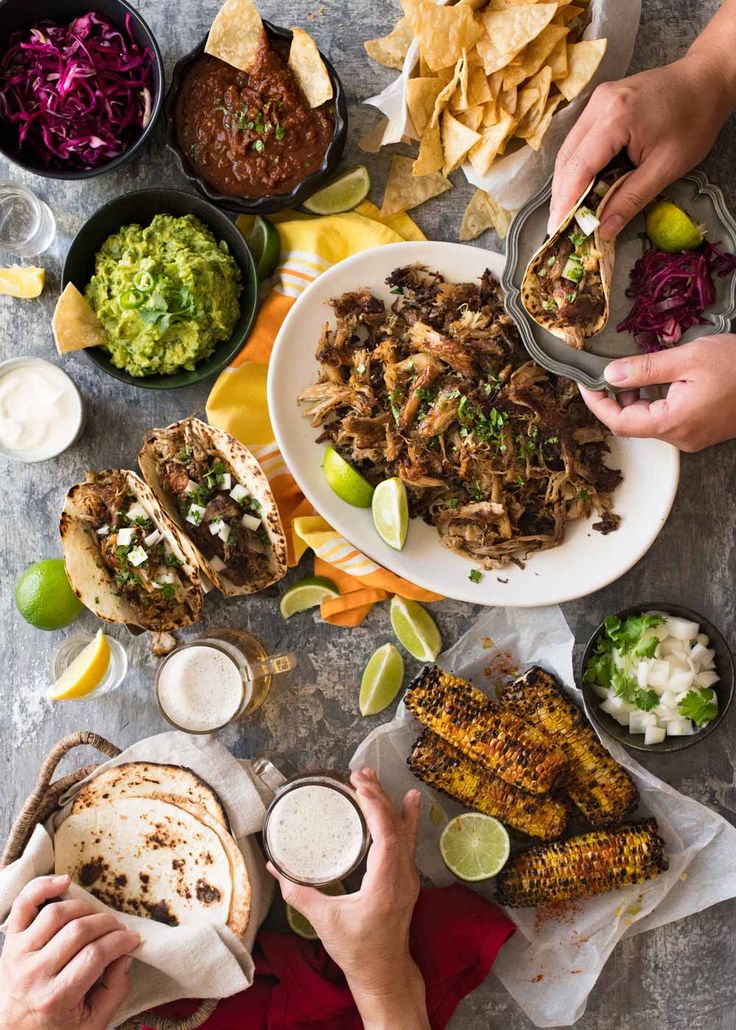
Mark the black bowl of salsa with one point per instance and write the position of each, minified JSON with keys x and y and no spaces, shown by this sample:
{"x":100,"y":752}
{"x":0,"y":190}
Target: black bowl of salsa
{"x":20,"y":16}
{"x":249,"y":141}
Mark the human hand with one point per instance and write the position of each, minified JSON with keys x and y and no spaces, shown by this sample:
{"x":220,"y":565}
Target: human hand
{"x":367,"y":934}
{"x":699,"y":408}
{"x":63,"y":965}
{"x":667,"y":119}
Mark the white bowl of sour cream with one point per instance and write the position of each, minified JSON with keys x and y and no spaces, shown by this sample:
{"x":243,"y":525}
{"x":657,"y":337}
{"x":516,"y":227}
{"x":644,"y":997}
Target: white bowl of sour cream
{"x":41,"y":410}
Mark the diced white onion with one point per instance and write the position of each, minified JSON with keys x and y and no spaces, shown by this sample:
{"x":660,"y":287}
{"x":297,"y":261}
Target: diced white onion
{"x":654,"y":735}
{"x":225,"y":481}
{"x":217,"y":563}
{"x":706,"y":678}
{"x":103,"y":531}
{"x":586,"y":220}
{"x":153,"y":538}
{"x":239,"y":493}
{"x":191,"y":487}
{"x":125,"y":536}
{"x":639,"y":721}
{"x":214,"y":526}
{"x":195,"y":514}
{"x":137,"y":511}
{"x":250,"y":522}
{"x":681,"y":629}
{"x":137,"y":556}
{"x":680,"y":728}
{"x":224,"y":532}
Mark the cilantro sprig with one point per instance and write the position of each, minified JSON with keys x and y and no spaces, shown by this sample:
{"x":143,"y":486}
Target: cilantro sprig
{"x":627,"y":637}
{"x":699,"y":705}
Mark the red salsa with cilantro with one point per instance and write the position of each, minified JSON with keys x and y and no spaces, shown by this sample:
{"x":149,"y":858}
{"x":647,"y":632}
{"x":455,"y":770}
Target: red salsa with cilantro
{"x":250,"y":134}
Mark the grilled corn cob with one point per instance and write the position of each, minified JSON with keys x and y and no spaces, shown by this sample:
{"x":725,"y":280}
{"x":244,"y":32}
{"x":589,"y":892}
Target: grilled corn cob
{"x":484,"y":730}
{"x":442,"y":766}
{"x":594,"y":781}
{"x":593,"y":863}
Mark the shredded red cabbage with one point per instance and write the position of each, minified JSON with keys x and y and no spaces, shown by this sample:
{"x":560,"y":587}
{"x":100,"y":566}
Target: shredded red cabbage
{"x":79,"y":94}
{"x":671,"y":292}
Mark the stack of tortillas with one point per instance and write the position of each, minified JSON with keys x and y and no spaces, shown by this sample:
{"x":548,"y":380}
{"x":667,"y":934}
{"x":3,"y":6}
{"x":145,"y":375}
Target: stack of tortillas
{"x":154,"y":841}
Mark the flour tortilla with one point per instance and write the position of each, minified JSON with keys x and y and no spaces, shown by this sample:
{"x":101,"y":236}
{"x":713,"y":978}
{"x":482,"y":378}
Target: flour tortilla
{"x":247,"y":471}
{"x":607,"y":255}
{"x":148,"y":858}
{"x":149,"y":779}
{"x":94,"y":583}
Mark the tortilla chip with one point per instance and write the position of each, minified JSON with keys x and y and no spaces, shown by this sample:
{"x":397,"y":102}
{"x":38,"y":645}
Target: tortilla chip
{"x":472,"y":117}
{"x":309,"y":69}
{"x":442,"y":32}
{"x":508,"y":100}
{"x":570,"y":13}
{"x":74,"y":323}
{"x":479,"y":89}
{"x":509,"y":31}
{"x":557,"y":61}
{"x":475,"y":5}
{"x":532,"y":101}
{"x":421,"y":95}
{"x":457,"y":139}
{"x":484,"y":213}
{"x":534,"y":139}
{"x":405,"y":191}
{"x":372,"y":142}
{"x":391,"y":50}
{"x":430,"y":158}
{"x":486,"y":150}
{"x":583,"y":59}
{"x":534,"y":56}
{"x":447,"y":92}
{"x":236,"y":34}
{"x":423,"y":68}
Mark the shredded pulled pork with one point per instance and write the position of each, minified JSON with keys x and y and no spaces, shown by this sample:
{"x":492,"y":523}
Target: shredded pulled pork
{"x":438,"y":390}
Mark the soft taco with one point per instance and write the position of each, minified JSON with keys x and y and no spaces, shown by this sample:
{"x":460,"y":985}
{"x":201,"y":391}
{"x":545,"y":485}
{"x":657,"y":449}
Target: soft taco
{"x":217,"y":493}
{"x":567,"y":285}
{"x":124,"y":557}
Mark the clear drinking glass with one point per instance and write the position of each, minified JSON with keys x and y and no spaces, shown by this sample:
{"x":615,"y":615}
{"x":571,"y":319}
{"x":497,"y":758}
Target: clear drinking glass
{"x":71,"y":648}
{"x":187,"y":688}
{"x":27,"y":226}
{"x":338,"y":837}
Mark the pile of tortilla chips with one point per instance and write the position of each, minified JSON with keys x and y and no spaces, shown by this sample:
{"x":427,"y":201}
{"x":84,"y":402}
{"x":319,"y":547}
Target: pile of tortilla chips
{"x":490,"y":76}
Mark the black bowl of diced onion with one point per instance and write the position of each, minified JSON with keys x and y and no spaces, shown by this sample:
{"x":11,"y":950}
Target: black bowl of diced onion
{"x":613,"y":718}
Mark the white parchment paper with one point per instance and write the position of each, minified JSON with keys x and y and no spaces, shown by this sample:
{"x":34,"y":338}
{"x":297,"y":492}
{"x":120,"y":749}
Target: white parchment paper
{"x":516,"y":178}
{"x":551,"y":965}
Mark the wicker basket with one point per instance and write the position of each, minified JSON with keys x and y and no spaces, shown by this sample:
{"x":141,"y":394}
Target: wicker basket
{"x":37,"y":809}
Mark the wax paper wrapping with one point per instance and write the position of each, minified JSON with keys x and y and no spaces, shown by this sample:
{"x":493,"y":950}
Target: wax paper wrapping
{"x":180,"y":961}
{"x":517,"y":177}
{"x":551,"y":965}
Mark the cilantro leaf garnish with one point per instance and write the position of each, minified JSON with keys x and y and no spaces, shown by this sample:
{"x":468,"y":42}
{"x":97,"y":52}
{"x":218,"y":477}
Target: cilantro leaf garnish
{"x":699,"y":705}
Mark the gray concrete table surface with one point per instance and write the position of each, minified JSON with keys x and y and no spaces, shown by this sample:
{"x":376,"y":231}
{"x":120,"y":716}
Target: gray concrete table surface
{"x":676,"y":977}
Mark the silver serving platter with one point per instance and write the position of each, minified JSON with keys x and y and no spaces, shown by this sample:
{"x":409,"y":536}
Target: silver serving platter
{"x":704,"y":203}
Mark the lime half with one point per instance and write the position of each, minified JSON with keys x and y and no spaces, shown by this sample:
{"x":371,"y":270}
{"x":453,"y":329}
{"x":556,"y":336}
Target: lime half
{"x":382,"y":680}
{"x":299,"y":924}
{"x":415,"y":629}
{"x":346,"y":481}
{"x":342,"y":194}
{"x":44,"y":597}
{"x":671,"y":229}
{"x":391,"y":512}
{"x":264,"y":243}
{"x":308,"y":593}
{"x":474,"y":846}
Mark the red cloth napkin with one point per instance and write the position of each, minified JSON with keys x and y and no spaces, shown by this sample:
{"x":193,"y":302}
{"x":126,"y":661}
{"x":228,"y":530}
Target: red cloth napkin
{"x":455,"y":937}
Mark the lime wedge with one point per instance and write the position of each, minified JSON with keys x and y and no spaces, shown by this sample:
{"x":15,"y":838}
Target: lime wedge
{"x":391,"y":512}
{"x":346,"y":481}
{"x":300,"y":925}
{"x":474,"y":847}
{"x":671,"y":229}
{"x":342,"y":194}
{"x":382,"y":680}
{"x":415,"y":629}
{"x":264,"y":243}
{"x":24,"y":282}
{"x":307,"y":593}
{"x":85,"y":673}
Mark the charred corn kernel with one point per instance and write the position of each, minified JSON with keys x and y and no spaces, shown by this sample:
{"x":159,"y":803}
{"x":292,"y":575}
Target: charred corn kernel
{"x":442,"y":766}
{"x":594,"y":781}
{"x":593,"y":863}
{"x":484,"y":730}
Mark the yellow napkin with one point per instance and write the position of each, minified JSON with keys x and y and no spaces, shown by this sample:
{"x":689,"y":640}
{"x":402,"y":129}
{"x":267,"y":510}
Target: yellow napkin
{"x":238,"y":403}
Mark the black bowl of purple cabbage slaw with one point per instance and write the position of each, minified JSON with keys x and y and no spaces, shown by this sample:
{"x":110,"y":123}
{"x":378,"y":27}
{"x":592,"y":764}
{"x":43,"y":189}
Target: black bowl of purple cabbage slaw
{"x":103,"y":106}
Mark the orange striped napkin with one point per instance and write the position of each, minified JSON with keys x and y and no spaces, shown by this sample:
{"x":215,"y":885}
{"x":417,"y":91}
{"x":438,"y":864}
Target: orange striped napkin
{"x":238,"y":403}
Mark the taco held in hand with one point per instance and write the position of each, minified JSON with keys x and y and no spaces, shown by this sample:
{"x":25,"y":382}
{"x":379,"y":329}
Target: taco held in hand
{"x":124,"y":558}
{"x":567,"y":285}
{"x":217,"y":493}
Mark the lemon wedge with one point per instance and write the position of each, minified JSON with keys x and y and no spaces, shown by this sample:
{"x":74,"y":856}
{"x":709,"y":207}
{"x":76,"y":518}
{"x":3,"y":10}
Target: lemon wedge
{"x":23,"y":282}
{"x":85,"y":673}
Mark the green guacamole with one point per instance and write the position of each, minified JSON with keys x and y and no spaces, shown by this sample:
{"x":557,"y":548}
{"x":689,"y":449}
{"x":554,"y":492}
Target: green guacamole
{"x":166,"y":294}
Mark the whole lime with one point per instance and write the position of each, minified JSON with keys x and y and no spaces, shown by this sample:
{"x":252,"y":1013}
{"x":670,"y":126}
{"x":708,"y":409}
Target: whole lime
{"x":671,"y":229}
{"x":44,"y":597}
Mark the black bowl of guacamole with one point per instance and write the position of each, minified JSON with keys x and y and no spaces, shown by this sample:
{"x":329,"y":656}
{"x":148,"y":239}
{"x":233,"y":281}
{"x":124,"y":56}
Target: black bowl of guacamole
{"x":173,"y":330}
